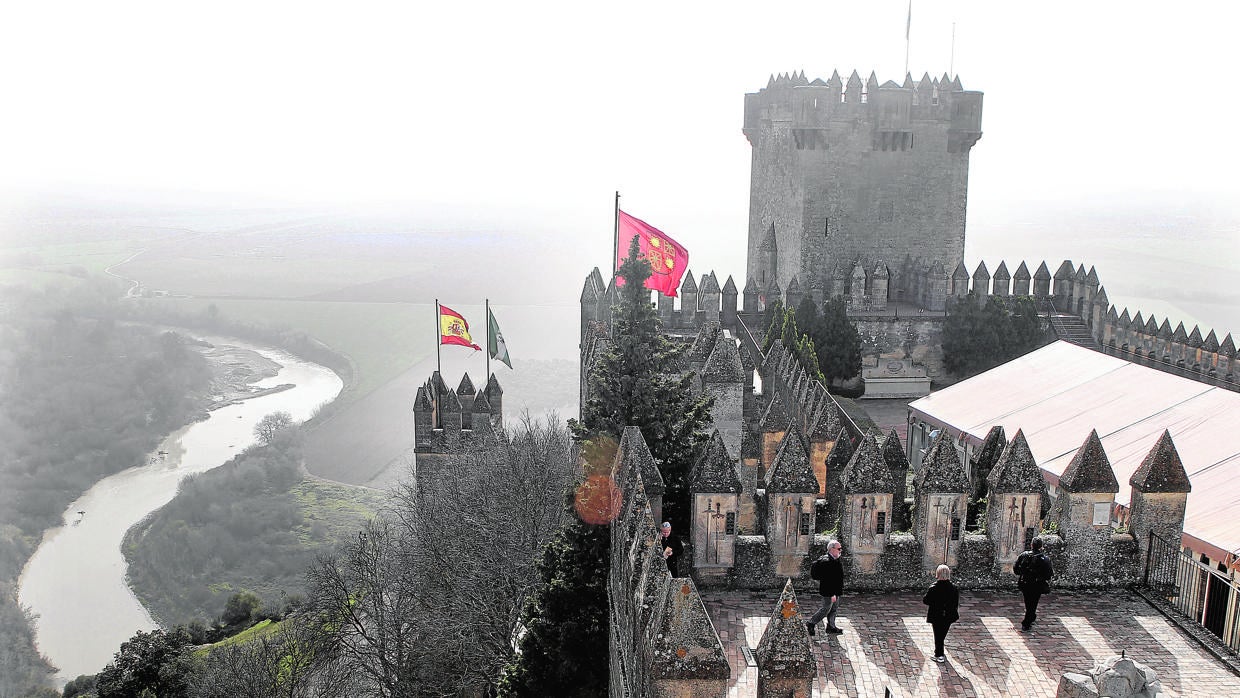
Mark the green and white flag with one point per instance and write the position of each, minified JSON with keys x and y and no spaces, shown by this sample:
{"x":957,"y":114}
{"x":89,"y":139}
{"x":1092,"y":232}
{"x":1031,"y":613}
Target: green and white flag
{"x":495,"y":340}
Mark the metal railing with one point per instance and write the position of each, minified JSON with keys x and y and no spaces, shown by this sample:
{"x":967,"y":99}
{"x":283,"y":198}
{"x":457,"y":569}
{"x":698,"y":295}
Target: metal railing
{"x":1203,"y":594}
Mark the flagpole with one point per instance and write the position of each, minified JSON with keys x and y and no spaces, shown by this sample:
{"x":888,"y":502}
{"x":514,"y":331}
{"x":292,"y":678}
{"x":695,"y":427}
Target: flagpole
{"x":438,"y":338}
{"x":487,"y":377}
{"x":908,"y":28}
{"x":615,"y":237}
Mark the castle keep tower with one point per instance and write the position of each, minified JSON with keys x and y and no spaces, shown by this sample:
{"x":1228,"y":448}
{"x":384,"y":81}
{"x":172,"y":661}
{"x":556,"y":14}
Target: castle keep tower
{"x":846,"y":172}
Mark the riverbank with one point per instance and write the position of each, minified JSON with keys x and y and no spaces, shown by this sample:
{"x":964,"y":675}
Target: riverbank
{"x":76,"y":582}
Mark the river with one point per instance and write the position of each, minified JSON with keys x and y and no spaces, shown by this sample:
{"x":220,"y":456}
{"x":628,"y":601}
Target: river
{"x":75,"y":581}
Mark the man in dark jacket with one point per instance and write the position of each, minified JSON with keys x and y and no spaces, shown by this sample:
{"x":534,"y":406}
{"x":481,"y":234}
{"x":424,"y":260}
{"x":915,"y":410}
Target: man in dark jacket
{"x":829,"y":572}
{"x":1034,"y":570}
{"x":943,"y":600}
{"x":672,"y":549}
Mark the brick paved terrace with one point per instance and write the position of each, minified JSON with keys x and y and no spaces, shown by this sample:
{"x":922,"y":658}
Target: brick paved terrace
{"x":887,"y":644}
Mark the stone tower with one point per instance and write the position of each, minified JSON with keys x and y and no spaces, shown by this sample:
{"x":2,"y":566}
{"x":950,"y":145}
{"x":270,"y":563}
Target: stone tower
{"x":846,"y":172}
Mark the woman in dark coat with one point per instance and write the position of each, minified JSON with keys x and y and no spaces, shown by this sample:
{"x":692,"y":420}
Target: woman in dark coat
{"x":943,"y":600}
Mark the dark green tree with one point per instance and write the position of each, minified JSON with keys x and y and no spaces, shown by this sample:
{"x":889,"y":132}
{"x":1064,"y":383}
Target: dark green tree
{"x":977,"y":337}
{"x":563,"y":651}
{"x":837,"y":342}
{"x":157,"y":662}
{"x":636,"y":383}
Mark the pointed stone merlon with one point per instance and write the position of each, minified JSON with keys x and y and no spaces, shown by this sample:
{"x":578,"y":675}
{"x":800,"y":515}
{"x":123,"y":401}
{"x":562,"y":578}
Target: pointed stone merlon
{"x":868,"y":495}
{"x":633,"y":459}
{"x":688,"y":658}
{"x":1016,"y":491}
{"x":1087,"y":493}
{"x":790,"y":493}
{"x":1160,"y":488}
{"x":942,"y":501}
{"x":786,"y":665}
{"x":715,"y":489}
{"x":723,"y":378}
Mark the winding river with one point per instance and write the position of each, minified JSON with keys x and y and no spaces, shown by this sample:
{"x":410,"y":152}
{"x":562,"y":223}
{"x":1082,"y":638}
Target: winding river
{"x":75,"y":581}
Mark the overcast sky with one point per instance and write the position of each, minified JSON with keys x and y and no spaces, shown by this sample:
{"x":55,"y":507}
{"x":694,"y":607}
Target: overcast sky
{"x":530,"y":115}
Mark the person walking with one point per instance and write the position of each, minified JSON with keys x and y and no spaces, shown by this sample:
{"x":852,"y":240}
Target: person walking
{"x":943,"y":600}
{"x":672,"y":548}
{"x":829,"y":572}
{"x":1034,"y":570}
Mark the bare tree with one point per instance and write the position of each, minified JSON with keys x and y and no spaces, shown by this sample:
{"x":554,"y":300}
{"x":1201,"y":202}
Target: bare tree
{"x":269,"y":427}
{"x":478,"y":537}
{"x":427,"y":601}
{"x":366,"y":603}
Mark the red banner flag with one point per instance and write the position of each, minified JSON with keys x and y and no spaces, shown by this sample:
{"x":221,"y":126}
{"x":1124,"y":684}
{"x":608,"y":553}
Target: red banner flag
{"x":453,"y":329}
{"x":668,"y":259}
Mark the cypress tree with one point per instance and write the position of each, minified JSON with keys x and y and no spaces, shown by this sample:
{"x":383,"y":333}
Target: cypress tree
{"x":636,"y":383}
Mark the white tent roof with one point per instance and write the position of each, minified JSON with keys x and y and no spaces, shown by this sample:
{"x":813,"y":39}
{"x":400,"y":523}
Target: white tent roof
{"x":1059,"y":392}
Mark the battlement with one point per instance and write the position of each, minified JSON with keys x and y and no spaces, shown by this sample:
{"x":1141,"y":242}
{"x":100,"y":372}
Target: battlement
{"x":890,"y":108}
{"x":447,"y":421}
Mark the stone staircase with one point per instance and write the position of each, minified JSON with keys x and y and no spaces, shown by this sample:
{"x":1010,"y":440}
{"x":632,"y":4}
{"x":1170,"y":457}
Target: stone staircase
{"x":1071,"y":328}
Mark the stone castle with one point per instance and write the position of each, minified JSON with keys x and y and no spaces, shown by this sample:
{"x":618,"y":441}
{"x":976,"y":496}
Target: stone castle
{"x":858,"y":190}
{"x":851,"y":179}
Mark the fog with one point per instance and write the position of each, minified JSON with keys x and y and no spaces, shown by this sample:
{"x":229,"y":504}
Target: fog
{"x":1103,"y":122}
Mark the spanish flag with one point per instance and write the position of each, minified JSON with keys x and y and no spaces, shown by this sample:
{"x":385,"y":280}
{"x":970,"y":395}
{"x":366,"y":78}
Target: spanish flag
{"x":453,"y":329}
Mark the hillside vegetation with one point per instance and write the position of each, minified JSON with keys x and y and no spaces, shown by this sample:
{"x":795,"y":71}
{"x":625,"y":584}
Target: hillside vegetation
{"x":81,"y":397}
{"x":253,"y":524}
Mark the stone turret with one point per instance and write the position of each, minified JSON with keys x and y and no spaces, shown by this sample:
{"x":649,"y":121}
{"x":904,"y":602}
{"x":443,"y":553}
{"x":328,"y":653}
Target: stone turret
{"x":709,"y":297}
{"x":786,"y":665}
{"x":703,"y":345}
{"x":773,"y":293}
{"x":822,"y":431}
{"x":897,"y":465}
{"x":1020,"y":280}
{"x":1087,"y":493}
{"x":688,"y":300}
{"x":495,"y":396}
{"x":837,"y":463}
{"x":790,"y":492}
{"x":1160,"y":490}
{"x":942,"y":502}
{"x":749,"y":305}
{"x":727,"y":314}
{"x":987,"y":456}
{"x":960,"y":282}
{"x":1002,"y":280}
{"x":451,"y":419}
{"x":723,"y":378}
{"x":1016,"y":492}
{"x":868,"y":495}
{"x":1042,"y":282}
{"x":981,"y":282}
{"x":688,"y":658}
{"x":423,"y":422}
{"x":465,"y":393}
{"x":936,"y":287}
{"x":856,"y":288}
{"x":716,"y":490}
{"x":773,"y":427}
{"x":793,"y":296}
{"x":635,"y":456}
{"x":1063,"y":286}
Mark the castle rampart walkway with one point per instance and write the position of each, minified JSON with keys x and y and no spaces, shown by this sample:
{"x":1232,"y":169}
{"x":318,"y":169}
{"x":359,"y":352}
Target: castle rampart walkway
{"x":887,"y":644}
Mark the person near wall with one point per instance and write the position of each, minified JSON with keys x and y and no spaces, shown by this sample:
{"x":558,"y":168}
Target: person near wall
{"x":829,"y":572}
{"x":1034,"y":571}
{"x":943,"y":601}
{"x":672,"y":547}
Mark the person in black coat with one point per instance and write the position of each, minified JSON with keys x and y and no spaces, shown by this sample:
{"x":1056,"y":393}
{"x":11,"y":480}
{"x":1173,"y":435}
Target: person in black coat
{"x":1034,"y":569}
{"x":829,"y":572}
{"x":672,"y":548}
{"x":943,"y":600}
